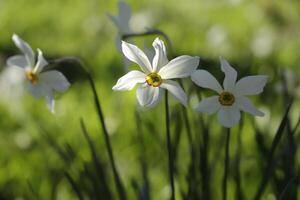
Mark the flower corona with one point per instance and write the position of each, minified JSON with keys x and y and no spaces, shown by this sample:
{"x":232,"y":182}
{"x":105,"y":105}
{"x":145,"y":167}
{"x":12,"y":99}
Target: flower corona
{"x":154,"y":79}
{"x":31,"y":76}
{"x":226,"y":98}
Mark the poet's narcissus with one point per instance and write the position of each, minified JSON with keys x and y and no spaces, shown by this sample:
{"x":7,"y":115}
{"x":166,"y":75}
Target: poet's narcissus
{"x":232,"y":97}
{"x":155,"y":77}
{"x":40,"y":83}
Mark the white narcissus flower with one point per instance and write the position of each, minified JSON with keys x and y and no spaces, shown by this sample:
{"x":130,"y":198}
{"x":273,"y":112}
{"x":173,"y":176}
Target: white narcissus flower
{"x":41,"y":83}
{"x":121,"y":21}
{"x":154,"y":78}
{"x":232,"y":98}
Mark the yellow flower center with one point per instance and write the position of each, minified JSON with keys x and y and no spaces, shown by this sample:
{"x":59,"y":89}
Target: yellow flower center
{"x":226,"y":99}
{"x":32,"y":77}
{"x":154,"y":79}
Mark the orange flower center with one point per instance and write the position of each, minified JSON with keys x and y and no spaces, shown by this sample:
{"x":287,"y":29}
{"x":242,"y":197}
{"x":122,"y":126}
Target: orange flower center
{"x":32,"y":77}
{"x":154,"y":79}
{"x":226,"y":99}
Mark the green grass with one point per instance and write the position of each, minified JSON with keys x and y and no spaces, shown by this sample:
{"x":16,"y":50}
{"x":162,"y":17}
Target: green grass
{"x":258,"y":37}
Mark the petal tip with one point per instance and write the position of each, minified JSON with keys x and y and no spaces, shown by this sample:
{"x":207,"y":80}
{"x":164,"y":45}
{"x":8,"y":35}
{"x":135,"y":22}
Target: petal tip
{"x":157,"y":39}
{"x":123,"y":45}
{"x":15,"y":36}
{"x":115,"y":87}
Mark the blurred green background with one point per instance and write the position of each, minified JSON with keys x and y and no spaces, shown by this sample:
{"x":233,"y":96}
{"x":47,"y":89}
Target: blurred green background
{"x":258,"y":37}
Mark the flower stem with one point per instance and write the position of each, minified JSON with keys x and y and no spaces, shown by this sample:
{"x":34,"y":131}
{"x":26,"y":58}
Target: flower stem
{"x":118,"y":182}
{"x":237,"y":174}
{"x":226,"y":165}
{"x":169,"y":146}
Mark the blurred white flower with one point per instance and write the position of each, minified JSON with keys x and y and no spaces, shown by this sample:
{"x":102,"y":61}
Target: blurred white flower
{"x":121,"y":21}
{"x":217,"y":40}
{"x":11,"y":93}
{"x":263,"y":42}
{"x":23,"y":140}
{"x":41,"y":83}
{"x":142,"y":20}
{"x":155,"y":77}
{"x":216,"y":36}
{"x":231,"y":99}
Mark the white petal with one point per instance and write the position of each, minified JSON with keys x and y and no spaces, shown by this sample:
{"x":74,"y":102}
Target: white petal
{"x":25,"y":48}
{"x":229,"y":116}
{"x":245,"y":105}
{"x":174,"y":88}
{"x":41,"y":63}
{"x":54,"y":80}
{"x":114,"y":19}
{"x":122,"y":20}
{"x":156,"y":98}
{"x":251,"y":85}
{"x":38,"y":90}
{"x":179,"y":67}
{"x":160,"y":59}
{"x":204,"y":79}
{"x":149,"y":51}
{"x":209,"y":105}
{"x":50,"y":101}
{"x":136,"y":55}
{"x":17,"y":61}
{"x":124,"y":16}
{"x":148,"y":96}
{"x":230,"y":75}
{"x":129,"y":80}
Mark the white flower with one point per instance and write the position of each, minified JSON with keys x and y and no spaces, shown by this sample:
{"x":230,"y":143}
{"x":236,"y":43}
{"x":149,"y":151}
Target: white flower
{"x":41,"y":83}
{"x":232,"y":97}
{"x":121,"y":21}
{"x":155,"y":77}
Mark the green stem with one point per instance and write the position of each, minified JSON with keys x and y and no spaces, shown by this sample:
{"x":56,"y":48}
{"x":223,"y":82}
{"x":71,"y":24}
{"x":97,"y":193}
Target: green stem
{"x":118,"y":182}
{"x":169,"y":146}
{"x":226,"y":165}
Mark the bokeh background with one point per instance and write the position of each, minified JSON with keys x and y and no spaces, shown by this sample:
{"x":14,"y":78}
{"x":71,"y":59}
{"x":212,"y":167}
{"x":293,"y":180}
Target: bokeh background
{"x":37,"y":148}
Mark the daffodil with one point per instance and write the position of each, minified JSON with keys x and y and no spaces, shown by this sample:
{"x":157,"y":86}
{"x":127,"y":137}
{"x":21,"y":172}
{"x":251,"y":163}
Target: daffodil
{"x":121,"y":21}
{"x":155,"y":77}
{"x":232,"y":97}
{"x":41,"y":83}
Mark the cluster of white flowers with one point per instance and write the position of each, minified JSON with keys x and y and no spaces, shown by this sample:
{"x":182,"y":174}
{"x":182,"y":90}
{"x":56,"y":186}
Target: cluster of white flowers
{"x":154,"y":78}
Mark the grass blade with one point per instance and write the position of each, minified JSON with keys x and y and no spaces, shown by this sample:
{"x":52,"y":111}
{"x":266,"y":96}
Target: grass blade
{"x":270,"y":162}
